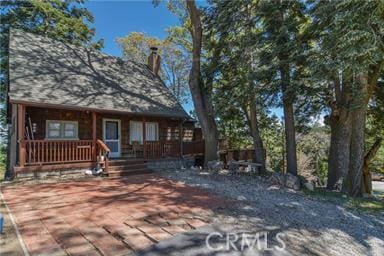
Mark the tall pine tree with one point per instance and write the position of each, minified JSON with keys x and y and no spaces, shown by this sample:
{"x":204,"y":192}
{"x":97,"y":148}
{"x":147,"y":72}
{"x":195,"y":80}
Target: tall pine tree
{"x":350,"y":52}
{"x":282,"y":45}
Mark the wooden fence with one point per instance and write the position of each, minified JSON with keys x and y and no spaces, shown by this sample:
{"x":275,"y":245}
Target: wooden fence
{"x":159,"y":149}
{"x":226,"y":155}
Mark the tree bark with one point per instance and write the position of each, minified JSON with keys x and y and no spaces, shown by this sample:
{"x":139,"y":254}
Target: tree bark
{"x":367,"y":178}
{"x":317,"y":168}
{"x":340,"y":123}
{"x":251,"y":104}
{"x":200,"y":95}
{"x":356,"y":159}
{"x":288,"y":98}
{"x":338,"y":158}
{"x":358,"y":118}
{"x":289,"y":120}
{"x":251,"y":114}
{"x":290,"y":138}
{"x":346,"y":162}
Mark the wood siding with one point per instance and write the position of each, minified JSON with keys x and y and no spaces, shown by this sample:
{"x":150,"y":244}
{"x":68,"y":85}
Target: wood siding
{"x":39,"y":116}
{"x":169,"y":129}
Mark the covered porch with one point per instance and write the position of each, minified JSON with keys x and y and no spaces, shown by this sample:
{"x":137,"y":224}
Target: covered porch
{"x":51,"y":138}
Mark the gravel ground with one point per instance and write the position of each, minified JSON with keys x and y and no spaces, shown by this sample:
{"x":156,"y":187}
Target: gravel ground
{"x":308,"y":226}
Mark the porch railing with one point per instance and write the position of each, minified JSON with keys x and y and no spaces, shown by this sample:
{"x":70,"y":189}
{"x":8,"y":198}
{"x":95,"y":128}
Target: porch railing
{"x":159,"y":149}
{"x":39,"y":152}
{"x":58,"y":151}
{"x":103,"y":154}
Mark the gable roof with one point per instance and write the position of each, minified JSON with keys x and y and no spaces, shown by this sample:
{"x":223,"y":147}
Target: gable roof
{"x":48,"y":72}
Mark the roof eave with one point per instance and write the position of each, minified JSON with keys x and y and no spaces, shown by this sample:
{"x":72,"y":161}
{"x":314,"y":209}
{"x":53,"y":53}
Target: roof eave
{"x":80,"y":108}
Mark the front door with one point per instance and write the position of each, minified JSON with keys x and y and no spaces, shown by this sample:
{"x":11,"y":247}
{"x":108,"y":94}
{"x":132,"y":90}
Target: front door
{"x":111,"y":135}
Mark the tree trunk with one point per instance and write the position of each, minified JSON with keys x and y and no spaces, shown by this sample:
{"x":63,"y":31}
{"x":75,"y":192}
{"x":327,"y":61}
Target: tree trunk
{"x":201,"y":97}
{"x":338,"y":159}
{"x":289,"y":120}
{"x":288,"y":98}
{"x":251,"y":105}
{"x":373,"y":76}
{"x":356,"y":159}
{"x":340,"y":123}
{"x":290,"y":138}
{"x":346,"y":156}
{"x":367,"y":178}
{"x":317,"y":168}
{"x":251,"y":114}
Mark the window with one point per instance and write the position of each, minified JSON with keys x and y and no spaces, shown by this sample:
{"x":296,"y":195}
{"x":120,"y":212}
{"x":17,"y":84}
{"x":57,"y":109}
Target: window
{"x":151,"y":131}
{"x":62,"y":129}
{"x":136,"y":131}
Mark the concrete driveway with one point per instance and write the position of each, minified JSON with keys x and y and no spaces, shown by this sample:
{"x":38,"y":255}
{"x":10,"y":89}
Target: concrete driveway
{"x":106,"y":217}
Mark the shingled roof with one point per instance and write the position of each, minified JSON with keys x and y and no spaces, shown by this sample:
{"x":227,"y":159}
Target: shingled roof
{"x":47,"y":72}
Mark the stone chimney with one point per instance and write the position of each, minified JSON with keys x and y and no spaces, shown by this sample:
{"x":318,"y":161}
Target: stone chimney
{"x":154,"y":60}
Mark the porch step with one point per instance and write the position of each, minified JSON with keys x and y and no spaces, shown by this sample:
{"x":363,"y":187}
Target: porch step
{"x":114,"y":174}
{"x":119,"y":162}
{"x":126,"y":167}
{"x":121,"y":167}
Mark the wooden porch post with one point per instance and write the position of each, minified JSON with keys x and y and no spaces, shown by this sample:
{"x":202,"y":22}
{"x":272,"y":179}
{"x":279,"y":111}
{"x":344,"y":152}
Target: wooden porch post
{"x":144,"y":140}
{"x":181,"y":138}
{"x":21,"y":133}
{"x":94,"y":136}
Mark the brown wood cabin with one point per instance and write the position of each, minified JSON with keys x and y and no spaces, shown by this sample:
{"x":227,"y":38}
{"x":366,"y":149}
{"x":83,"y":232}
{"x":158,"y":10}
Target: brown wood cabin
{"x":73,"y":108}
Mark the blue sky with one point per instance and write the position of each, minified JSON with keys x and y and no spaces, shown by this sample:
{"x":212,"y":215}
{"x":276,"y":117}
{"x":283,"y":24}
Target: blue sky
{"x":119,"y":18}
